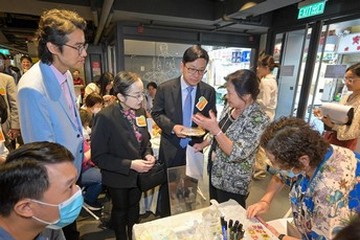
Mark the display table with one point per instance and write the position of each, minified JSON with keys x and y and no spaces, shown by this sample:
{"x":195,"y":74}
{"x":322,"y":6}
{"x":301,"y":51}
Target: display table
{"x":190,"y":225}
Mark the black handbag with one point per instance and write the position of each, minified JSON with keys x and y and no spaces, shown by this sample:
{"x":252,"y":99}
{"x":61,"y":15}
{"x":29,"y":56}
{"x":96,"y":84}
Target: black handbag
{"x":154,"y":177}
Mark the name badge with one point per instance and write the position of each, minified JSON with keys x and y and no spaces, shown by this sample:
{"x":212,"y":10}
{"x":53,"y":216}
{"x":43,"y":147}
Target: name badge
{"x":201,"y":103}
{"x":2,"y":137}
{"x":141,"y":121}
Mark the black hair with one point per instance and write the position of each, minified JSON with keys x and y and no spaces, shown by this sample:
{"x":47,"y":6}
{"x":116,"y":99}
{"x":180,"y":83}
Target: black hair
{"x":92,"y":99}
{"x":26,"y":57}
{"x":123,"y":80}
{"x":105,"y":79}
{"x":24,"y":173}
{"x":54,"y":27}
{"x":195,"y":52}
{"x":350,"y":231}
{"x":355,"y":69}
{"x":151,"y":84}
{"x":245,"y":82}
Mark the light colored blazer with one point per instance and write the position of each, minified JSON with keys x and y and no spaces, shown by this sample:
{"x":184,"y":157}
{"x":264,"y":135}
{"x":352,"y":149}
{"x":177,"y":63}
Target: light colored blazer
{"x":43,"y":111}
{"x":8,"y":90}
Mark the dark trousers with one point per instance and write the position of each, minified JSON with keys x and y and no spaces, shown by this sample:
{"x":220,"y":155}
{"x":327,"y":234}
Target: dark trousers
{"x":223,"y":196}
{"x":163,"y":205}
{"x":220,"y":195}
{"x":125,"y":210}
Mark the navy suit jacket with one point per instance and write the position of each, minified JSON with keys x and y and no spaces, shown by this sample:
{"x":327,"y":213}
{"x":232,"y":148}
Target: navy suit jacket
{"x":167,"y":112}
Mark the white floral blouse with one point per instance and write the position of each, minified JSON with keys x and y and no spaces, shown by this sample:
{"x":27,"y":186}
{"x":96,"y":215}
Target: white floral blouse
{"x":324,"y":204}
{"x":347,"y":132}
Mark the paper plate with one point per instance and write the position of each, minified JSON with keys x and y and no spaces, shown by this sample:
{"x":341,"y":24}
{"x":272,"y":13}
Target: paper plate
{"x":193,"y":131}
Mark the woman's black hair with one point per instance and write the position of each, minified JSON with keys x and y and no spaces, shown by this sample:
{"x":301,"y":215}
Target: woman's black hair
{"x":245,"y":82}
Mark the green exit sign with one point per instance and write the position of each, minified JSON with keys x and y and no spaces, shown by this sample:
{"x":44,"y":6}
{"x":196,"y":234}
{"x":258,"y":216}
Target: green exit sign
{"x":311,"y":10}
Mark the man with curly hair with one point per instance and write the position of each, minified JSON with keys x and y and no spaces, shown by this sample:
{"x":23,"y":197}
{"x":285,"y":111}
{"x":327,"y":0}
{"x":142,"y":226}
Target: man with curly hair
{"x":46,"y":96}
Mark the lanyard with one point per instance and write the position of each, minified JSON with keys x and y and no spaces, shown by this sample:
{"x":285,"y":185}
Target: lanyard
{"x":305,"y":184}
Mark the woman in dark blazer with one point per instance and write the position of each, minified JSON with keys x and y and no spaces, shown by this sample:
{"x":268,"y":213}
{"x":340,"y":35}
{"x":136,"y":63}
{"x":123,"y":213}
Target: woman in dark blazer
{"x":121,"y":149}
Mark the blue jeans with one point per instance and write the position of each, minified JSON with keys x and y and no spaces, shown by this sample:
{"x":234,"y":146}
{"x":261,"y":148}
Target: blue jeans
{"x":91,"y":180}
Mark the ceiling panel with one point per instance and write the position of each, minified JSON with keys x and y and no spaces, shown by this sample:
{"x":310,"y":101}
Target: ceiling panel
{"x":19,"y":18}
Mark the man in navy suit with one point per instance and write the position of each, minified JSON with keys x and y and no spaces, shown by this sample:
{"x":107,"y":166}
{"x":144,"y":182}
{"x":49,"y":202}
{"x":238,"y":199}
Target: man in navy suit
{"x":46,"y":96}
{"x":169,"y":107}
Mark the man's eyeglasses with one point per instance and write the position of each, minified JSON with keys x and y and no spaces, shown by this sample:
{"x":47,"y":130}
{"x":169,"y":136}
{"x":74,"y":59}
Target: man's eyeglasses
{"x":193,"y":71}
{"x":137,"y":96}
{"x":79,"y":48}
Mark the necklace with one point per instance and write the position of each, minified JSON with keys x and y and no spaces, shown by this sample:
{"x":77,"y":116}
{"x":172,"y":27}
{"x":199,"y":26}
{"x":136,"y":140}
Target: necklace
{"x":227,"y":118}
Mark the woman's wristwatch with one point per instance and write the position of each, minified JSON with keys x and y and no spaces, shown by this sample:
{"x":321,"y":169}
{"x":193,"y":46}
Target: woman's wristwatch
{"x":281,"y":236}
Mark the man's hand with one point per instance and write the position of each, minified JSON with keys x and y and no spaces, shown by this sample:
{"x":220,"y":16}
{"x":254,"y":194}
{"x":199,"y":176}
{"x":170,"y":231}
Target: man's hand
{"x":178,"y":131}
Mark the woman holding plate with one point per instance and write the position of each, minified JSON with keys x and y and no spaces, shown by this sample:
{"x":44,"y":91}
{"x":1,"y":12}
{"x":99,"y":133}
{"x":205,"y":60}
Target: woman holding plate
{"x":235,"y":138}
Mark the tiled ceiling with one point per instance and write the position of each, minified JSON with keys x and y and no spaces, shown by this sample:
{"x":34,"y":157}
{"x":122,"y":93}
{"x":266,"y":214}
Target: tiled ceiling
{"x":19,"y":18}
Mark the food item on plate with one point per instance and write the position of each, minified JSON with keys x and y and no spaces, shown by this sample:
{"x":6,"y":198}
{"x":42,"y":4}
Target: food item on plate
{"x":193,"y":131}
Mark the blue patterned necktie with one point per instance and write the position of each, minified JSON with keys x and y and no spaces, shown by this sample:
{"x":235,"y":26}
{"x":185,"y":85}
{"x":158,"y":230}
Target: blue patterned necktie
{"x":187,"y":115}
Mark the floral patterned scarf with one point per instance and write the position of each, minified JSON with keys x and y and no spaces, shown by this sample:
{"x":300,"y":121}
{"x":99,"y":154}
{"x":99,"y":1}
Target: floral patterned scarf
{"x":130,"y":116}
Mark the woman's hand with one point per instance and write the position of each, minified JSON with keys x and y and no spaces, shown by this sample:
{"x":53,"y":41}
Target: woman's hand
{"x":141,"y":166}
{"x":209,"y":124}
{"x":257,"y":208}
{"x":325,"y":119}
{"x":317,"y":112}
{"x":200,"y":146}
{"x":150,"y":158}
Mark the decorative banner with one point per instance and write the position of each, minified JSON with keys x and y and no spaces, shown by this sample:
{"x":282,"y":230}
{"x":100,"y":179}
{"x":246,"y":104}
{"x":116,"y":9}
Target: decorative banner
{"x":349,"y":44}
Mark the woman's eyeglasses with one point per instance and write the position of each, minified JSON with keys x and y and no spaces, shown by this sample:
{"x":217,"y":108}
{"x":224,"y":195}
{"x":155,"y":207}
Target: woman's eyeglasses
{"x":349,"y":79}
{"x":137,"y":96}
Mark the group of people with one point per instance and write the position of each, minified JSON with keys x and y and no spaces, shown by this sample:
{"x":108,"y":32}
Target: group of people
{"x":39,"y":179}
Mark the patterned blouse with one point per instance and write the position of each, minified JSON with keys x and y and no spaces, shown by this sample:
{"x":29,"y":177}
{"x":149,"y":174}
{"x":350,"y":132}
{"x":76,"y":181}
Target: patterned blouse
{"x":233,"y":173}
{"x":323,"y":205}
{"x":345,"y":132}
